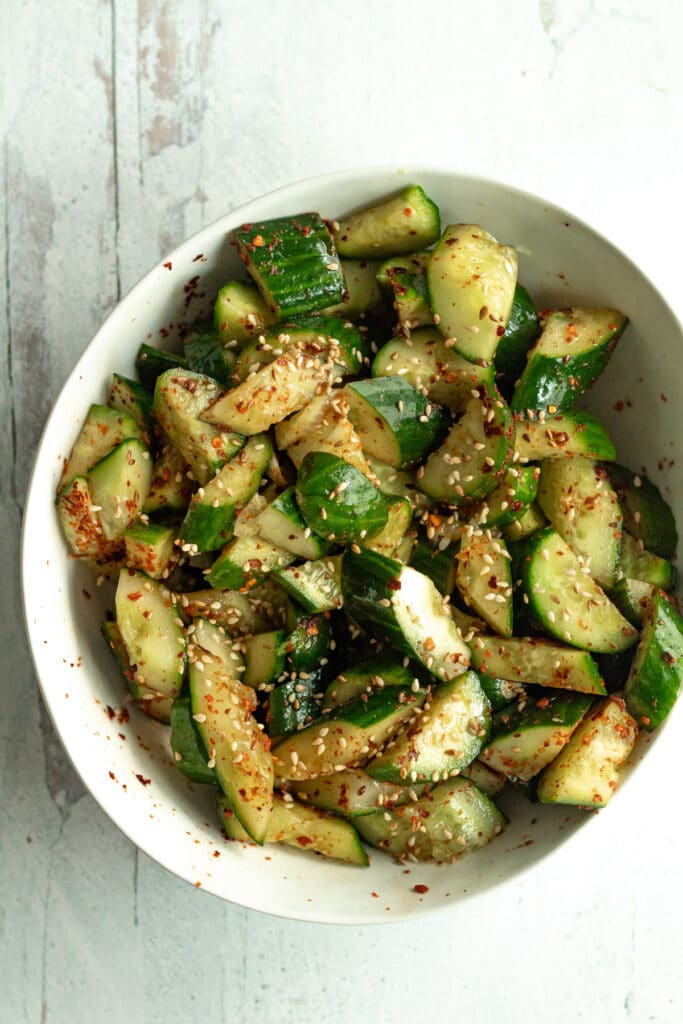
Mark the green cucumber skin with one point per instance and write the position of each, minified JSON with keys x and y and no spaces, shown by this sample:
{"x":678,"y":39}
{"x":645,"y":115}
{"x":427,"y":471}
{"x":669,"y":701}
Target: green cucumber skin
{"x":402,"y":413}
{"x":631,"y":597}
{"x":240,"y":312}
{"x":308,"y":642}
{"x":647,"y":516}
{"x":639,"y":564}
{"x":294,"y":263}
{"x":655,"y":678}
{"x":227,"y":573}
{"x":186,"y":742}
{"x":568,"y":434}
{"x":406,"y":282}
{"x":129,"y":396}
{"x":500,"y":693}
{"x":311,"y":334}
{"x":517,"y":491}
{"x":521,"y":331}
{"x":364,"y":676}
{"x":358,"y":508}
{"x":362,"y":293}
{"x":440,"y":566}
{"x":205,"y":352}
{"x":206,"y":527}
{"x":505,"y":659}
{"x":151,"y":362}
{"x":402,"y":223}
{"x":559,"y":381}
{"x":366,"y":580}
{"x":293,"y":705}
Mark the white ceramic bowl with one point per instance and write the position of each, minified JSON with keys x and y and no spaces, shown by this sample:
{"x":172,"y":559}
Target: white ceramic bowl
{"x":126,"y":765}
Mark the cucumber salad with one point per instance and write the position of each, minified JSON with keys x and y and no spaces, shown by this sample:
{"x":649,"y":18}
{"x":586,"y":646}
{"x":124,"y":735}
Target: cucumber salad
{"x":370,"y":558}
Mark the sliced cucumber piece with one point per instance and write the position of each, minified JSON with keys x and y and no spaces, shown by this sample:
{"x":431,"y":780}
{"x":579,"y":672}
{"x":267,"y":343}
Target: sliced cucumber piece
{"x":352,"y":793}
{"x":346,"y":736}
{"x":439,"y":565}
{"x":508,"y":502}
{"x":103,"y":430}
{"x":471,"y":279}
{"x":209,"y":638}
{"x":209,"y":520}
{"x":638,"y":564}
{"x":206,"y":353}
{"x":186,"y":744}
{"x":362,"y":293}
{"x":323,"y":426}
{"x":153,"y":703}
{"x":586,"y":772}
{"x":576,"y":496}
{"x":401,"y":223}
{"x":238,"y":750}
{"x":151,"y":633}
{"x":631,"y":598}
{"x":528,"y":737}
{"x":428,"y":362}
{"x":406,"y":281}
{"x":239,"y":614}
{"x":180,"y":398}
{"x":80,"y":521}
{"x":566,"y":433}
{"x":294,"y":263}
{"x":520,"y":333}
{"x":305,"y":828}
{"x":150,"y":548}
{"x":368,"y":676}
{"x":272,"y":393}
{"x":316,"y":586}
{"x":265,"y":658}
{"x":308,"y":645}
{"x":531,"y":521}
{"x":311,"y":335}
{"x":293,"y":705}
{"x":171,"y":487}
{"x":567,"y":601}
{"x":455,"y":817}
{"x":130,"y":397}
{"x":119,"y":485}
{"x":472,"y":460}
{"x":445,"y":738}
{"x":647,"y":516}
{"x":282,"y":524}
{"x":540,"y":662}
{"x":394,"y":421}
{"x":241,"y":312}
{"x":399,"y":518}
{"x":484,"y":778}
{"x":336,"y":500}
{"x":399,"y":604}
{"x":244,"y":561}
{"x":484,"y":579}
{"x":500,"y":692}
{"x":571,"y":353}
{"x":657,"y":670}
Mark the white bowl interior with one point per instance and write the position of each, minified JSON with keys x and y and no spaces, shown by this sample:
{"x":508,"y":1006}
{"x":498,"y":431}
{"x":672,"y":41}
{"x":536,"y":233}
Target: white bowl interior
{"x":126,"y":763}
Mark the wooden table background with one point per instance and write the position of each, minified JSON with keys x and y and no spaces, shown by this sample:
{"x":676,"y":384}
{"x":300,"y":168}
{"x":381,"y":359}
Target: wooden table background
{"x":124,"y":128}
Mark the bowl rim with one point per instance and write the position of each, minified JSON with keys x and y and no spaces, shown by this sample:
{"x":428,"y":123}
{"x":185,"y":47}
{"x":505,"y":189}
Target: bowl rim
{"x":244,"y":211}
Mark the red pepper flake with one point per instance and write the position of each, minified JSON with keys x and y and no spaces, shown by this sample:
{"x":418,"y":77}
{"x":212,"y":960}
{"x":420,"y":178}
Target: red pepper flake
{"x":199,"y":257}
{"x":663,"y":397}
{"x":408,"y":212}
{"x":394,"y":584}
{"x":169,"y":265}
{"x":258,"y":241}
{"x":110,"y":712}
{"x":304,"y":840}
{"x":375,"y":895}
{"x":421,"y":888}
{"x":142,"y":780}
{"x":668,"y":658}
{"x":86,"y":594}
{"x":112,"y":776}
{"x":618,"y":406}
{"x":542,"y":703}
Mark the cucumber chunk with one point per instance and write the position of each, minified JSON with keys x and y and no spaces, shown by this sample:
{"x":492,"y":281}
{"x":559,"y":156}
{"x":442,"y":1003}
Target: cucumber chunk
{"x":631,"y":598}
{"x":209,"y":520}
{"x":394,"y":421}
{"x":156,"y":705}
{"x":151,"y":633}
{"x":265,"y":658}
{"x":150,"y":548}
{"x":428,"y":362}
{"x":406,"y":281}
{"x":323,"y":426}
{"x":244,"y":561}
{"x":316,"y":586}
{"x":180,"y":398}
{"x":526,"y":738}
{"x":305,"y":828}
{"x":520,"y":333}
{"x":205,"y":352}
{"x":571,"y":353}
{"x":440,"y":566}
{"x":240,"y":614}
{"x":294,"y":263}
{"x":586,"y":772}
{"x":471,"y":279}
{"x":657,"y":670}
{"x":401,"y":605}
{"x":638,"y":564}
{"x":401,"y":223}
{"x":444,"y":739}
{"x":346,"y":736}
{"x":130,"y":397}
{"x":119,"y":485}
{"x":484,"y":579}
{"x":647,"y":516}
{"x":171,"y":488}
{"x":541,"y":662}
{"x":352,"y":793}
{"x":362,"y":293}
{"x":510,"y":500}
{"x":103,"y":430}
{"x":241,"y":312}
{"x":576,"y":496}
{"x":472,"y":460}
{"x":399,"y":518}
{"x":237,"y":749}
{"x":456,"y":817}
{"x":186,"y":744}
{"x":80,"y":521}
{"x":151,"y":362}
{"x":531,"y":521}
{"x":272,"y":393}
{"x":368,"y":676}
{"x":336,"y":500}
{"x":293,"y":705}
{"x":282,"y":524}
{"x":567,"y":601}
{"x":568,"y":434}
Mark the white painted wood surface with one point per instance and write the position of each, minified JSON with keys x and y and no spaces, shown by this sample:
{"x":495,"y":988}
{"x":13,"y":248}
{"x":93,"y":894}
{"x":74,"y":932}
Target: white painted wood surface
{"x":124,"y":128}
